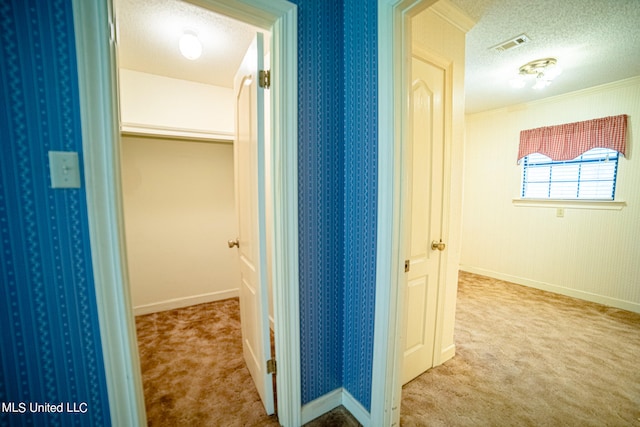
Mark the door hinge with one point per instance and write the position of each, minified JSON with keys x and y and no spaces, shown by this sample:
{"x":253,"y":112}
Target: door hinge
{"x":407,"y":265}
{"x":271,"y":366}
{"x":264,"y":79}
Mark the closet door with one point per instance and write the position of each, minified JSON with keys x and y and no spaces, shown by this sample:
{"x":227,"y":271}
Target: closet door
{"x":250,"y":200}
{"x":424,"y":214}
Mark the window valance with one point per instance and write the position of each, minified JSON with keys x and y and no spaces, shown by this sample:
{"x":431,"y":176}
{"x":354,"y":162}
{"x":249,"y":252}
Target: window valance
{"x":568,"y":141}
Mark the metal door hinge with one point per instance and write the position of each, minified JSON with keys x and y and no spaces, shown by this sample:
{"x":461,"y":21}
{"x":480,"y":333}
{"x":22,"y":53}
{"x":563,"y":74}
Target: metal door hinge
{"x":264,"y":79}
{"x":271,"y":366}
{"x":407,"y":265}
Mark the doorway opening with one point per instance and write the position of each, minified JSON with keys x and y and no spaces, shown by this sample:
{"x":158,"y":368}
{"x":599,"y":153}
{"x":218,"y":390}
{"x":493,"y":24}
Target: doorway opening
{"x":96,"y":35}
{"x":430,"y":299}
{"x":180,"y":193}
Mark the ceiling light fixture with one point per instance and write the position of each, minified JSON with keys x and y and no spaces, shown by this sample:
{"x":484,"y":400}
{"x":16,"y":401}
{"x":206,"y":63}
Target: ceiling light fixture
{"x":190,"y":45}
{"x":544,"y":70}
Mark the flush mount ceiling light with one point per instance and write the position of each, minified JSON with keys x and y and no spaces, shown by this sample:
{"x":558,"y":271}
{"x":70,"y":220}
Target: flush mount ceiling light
{"x":544,"y":71}
{"x":190,"y":45}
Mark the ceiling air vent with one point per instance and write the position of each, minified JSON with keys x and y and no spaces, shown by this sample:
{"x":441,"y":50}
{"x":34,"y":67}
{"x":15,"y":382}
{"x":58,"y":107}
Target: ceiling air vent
{"x":511,"y":44}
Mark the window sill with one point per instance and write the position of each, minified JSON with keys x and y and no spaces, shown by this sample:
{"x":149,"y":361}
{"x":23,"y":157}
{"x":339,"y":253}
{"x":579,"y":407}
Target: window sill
{"x":570,"y":204}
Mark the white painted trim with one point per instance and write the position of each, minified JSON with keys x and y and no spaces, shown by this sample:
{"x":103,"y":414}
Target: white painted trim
{"x":332,"y":400}
{"x":172,"y":304}
{"x":356,"y":409}
{"x":321,"y":405}
{"x":97,"y":65}
{"x":631,"y":81}
{"x":383,"y":406}
{"x":284,"y":161}
{"x":550,"y":287}
{"x":171,"y":132}
{"x":446,"y":354}
{"x":94,"y":33}
{"x":386,"y":387}
{"x":394,"y":50}
{"x":570,"y":204}
{"x":454,"y":15}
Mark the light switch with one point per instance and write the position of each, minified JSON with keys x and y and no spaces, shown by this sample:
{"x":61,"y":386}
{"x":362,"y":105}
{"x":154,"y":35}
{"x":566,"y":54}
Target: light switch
{"x":65,"y":170}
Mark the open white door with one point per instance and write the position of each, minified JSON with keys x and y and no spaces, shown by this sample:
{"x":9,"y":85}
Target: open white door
{"x":424,"y":215}
{"x":249,"y":153}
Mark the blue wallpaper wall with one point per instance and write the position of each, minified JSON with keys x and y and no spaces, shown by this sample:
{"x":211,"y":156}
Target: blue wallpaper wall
{"x":320,"y":186}
{"x":50,"y":345}
{"x":360,"y":194}
{"x":337,"y":60}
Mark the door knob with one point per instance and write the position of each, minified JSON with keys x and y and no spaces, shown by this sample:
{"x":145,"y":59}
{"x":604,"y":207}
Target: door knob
{"x":233,"y":243}
{"x":438,"y":245}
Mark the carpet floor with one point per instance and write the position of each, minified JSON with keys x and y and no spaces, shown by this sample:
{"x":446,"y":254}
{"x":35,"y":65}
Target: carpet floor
{"x":194,"y":374}
{"x":524,"y":357}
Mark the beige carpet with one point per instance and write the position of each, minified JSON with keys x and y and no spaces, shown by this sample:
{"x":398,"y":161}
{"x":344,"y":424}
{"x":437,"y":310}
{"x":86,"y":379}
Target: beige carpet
{"x":525,"y":357}
{"x":193,"y":372}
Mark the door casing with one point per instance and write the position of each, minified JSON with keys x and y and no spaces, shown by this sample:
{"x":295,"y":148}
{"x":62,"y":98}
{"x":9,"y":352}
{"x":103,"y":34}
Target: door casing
{"x":394,"y":51}
{"x":96,"y":44}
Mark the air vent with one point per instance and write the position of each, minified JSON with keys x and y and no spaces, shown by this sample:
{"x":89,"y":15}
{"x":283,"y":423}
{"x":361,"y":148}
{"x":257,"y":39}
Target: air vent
{"x":512,"y":44}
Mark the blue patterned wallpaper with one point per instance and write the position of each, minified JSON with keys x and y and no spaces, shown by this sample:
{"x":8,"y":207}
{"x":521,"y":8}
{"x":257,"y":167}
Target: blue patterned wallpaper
{"x":320,"y":187}
{"x":360,"y":194}
{"x":337,"y":150}
{"x":50,"y":345}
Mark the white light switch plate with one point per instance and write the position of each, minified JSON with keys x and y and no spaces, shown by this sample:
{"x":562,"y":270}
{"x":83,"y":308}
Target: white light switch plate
{"x":65,"y":170}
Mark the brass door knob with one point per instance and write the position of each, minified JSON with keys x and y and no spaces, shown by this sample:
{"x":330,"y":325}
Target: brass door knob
{"x":435,"y":245}
{"x":233,"y":243}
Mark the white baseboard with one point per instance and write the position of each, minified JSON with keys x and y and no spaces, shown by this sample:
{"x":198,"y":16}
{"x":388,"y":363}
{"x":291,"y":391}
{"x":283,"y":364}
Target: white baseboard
{"x":332,"y":400}
{"x":575,"y":293}
{"x":447,"y":353}
{"x":321,"y":405}
{"x":357,"y":410}
{"x":184,"y":302}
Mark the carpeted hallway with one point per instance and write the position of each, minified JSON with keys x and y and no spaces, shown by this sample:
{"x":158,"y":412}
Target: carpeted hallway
{"x":524,"y":357}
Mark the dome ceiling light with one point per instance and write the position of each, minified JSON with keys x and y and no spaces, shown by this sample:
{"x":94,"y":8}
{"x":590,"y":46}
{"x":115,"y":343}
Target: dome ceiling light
{"x":190,"y":45}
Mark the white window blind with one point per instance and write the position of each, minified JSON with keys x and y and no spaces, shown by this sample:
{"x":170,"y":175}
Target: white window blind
{"x":590,"y":176}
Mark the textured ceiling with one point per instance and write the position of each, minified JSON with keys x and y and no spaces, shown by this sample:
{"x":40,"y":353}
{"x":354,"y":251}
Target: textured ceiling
{"x":149,"y":32}
{"x":595,"y":42}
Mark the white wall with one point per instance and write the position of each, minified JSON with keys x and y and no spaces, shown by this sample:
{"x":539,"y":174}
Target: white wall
{"x":162,"y":105}
{"x":179,"y":213}
{"x":590,"y":254}
{"x":178,"y":193}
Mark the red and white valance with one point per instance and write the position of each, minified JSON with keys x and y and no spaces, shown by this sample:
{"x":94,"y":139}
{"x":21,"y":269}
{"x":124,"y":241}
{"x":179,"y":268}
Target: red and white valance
{"x":568,"y":141}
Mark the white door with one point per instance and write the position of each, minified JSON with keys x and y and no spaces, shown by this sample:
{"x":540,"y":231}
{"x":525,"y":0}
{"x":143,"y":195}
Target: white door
{"x":250,"y":209}
{"x":424,"y":214}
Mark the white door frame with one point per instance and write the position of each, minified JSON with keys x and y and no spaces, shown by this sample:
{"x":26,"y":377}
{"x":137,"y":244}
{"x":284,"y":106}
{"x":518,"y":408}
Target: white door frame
{"x":394,"y":53}
{"x":95,"y":34}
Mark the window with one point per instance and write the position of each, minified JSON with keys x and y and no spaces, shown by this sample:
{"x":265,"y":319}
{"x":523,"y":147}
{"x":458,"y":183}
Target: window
{"x":590,"y":176}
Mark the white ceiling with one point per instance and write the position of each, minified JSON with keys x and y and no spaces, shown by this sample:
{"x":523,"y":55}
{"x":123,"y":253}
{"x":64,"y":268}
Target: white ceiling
{"x":149,"y":32}
{"x":594,"y":41}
